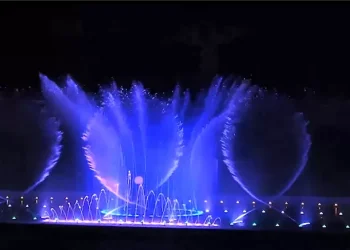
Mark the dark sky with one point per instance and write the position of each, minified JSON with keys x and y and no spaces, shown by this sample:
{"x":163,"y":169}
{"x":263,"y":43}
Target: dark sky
{"x":288,"y":46}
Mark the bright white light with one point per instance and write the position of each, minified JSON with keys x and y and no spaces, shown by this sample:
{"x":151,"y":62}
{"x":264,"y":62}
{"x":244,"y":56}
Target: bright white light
{"x":304,"y":224}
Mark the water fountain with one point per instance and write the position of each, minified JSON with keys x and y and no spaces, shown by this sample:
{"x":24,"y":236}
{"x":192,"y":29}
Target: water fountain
{"x":106,"y":209}
{"x":132,"y":133}
{"x":265,"y":135}
{"x":151,"y":154}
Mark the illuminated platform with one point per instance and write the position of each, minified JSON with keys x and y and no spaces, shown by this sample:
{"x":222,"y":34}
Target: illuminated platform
{"x":313,"y":213}
{"x":130,"y":224}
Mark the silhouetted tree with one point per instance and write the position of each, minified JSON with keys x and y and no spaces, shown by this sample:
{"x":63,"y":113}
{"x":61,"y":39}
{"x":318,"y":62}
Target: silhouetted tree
{"x":65,"y":27}
{"x":208,"y":37}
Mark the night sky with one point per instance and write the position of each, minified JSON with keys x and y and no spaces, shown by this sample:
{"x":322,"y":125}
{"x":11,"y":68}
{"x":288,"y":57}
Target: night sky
{"x":295,"y":48}
{"x":287,"y":46}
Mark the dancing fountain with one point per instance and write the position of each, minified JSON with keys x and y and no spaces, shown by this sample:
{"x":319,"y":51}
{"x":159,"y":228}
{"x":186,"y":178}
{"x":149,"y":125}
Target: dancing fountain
{"x":150,"y":209}
{"x":265,"y":145}
{"x":159,"y":158}
{"x":133,"y":132}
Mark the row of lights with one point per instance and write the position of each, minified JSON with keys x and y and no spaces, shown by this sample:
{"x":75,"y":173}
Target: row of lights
{"x":205,"y":201}
{"x":254,"y":224}
{"x":37,"y":198}
{"x":263,"y":211}
{"x":207,"y":210}
{"x":323,"y":226}
{"x":270,"y":203}
{"x":122,"y":222}
{"x":225,"y":211}
{"x":302,"y":212}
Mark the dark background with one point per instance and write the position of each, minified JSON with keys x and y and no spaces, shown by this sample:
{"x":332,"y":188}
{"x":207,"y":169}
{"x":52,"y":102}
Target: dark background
{"x":105,"y":238}
{"x":288,"y":46}
{"x":299,"y":49}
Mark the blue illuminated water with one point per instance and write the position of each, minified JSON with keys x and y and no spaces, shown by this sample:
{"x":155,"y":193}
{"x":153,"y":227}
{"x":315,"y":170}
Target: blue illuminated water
{"x":74,"y":109}
{"x":267,"y":149}
{"x":30,"y":142}
{"x":137,"y":143}
{"x":134,"y":135}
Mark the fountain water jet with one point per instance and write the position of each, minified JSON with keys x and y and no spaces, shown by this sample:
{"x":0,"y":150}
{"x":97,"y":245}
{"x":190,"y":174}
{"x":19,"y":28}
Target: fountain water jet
{"x":129,"y":124}
{"x":31,"y":144}
{"x":267,"y":121}
{"x":103,"y":208}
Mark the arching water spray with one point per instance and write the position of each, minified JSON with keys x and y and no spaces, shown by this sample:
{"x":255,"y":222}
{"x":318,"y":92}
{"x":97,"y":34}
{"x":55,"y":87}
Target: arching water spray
{"x":270,"y":121}
{"x":31,"y":144}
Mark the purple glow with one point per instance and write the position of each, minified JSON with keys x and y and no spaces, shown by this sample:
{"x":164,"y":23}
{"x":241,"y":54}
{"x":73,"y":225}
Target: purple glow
{"x":74,"y":109}
{"x":102,"y":208}
{"x":69,"y":103}
{"x":134,"y":133}
{"x":51,"y":130}
{"x":282,"y":124}
{"x":146,"y":149}
{"x":30,"y":142}
{"x":131,"y":223}
{"x":204,"y":136}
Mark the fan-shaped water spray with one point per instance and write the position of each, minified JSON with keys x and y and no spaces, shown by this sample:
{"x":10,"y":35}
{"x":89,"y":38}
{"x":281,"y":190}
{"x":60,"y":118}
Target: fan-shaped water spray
{"x":266,"y":149}
{"x":134,"y":133}
{"x":30,"y":142}
{"x":141,"y":145}
{"x":70,"y":104}
{"x":202,"y":155}
{"x":74,"y":108}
